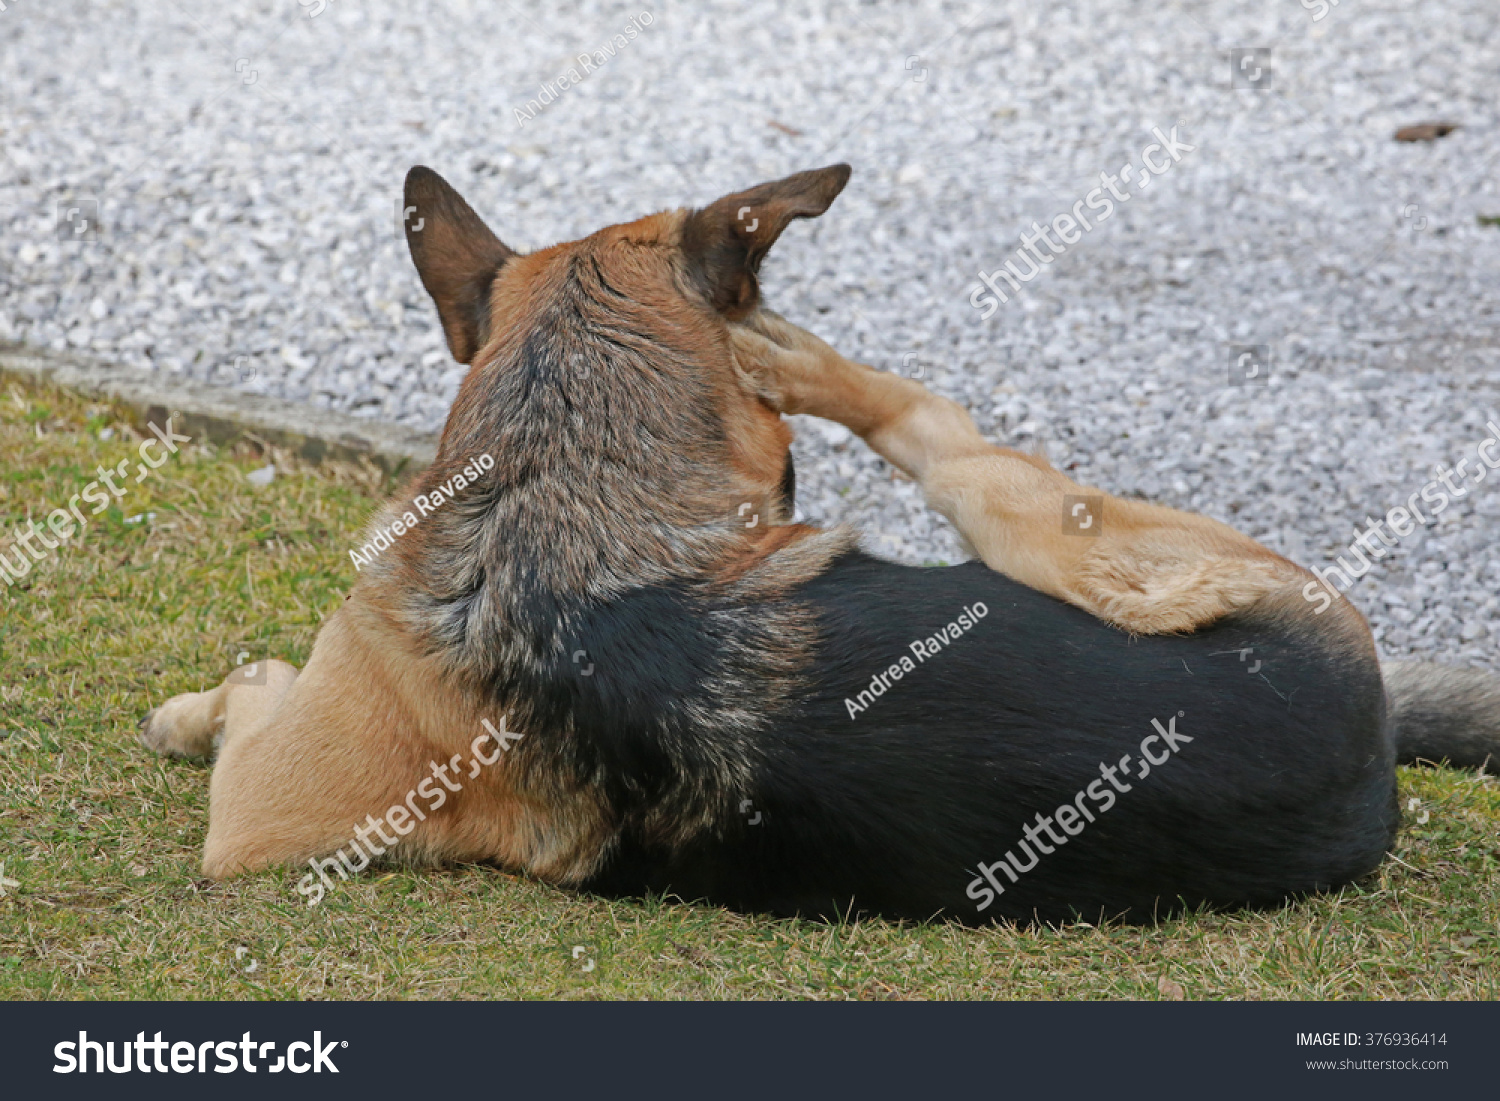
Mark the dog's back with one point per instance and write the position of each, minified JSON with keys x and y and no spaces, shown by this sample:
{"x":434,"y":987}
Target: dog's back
{"x":1275,"y":775}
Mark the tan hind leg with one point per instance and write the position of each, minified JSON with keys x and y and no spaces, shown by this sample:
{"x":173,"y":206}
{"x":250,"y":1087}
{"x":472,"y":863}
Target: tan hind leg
{"x":1144,"y":568}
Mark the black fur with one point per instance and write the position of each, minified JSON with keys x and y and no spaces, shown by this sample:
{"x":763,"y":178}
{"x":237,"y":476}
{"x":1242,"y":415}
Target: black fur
{"x":788,"y":487}
{"x":1287,"y":786}
{"x":1444,"y":714}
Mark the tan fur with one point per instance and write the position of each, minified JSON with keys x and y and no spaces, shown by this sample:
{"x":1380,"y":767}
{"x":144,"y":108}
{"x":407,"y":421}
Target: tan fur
{"x":1149,"y":570}
{"x":306,"y":758}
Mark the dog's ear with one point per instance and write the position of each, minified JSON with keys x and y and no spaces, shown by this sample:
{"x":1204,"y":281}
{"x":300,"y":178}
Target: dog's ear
{"x":456,"y":255}
{"x":725,"y":242}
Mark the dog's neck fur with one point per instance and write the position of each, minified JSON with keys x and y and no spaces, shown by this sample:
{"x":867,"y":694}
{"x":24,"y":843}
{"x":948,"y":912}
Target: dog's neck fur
{"x":620,"y":436}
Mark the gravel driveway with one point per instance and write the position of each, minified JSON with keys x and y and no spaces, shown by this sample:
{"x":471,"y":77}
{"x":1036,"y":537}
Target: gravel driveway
{"x":1291,"y":326}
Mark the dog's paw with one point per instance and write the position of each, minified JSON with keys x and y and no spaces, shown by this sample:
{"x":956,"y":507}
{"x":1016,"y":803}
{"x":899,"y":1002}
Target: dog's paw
{"x":793,"y":338}
{"x":184,"y":726}
{"x":756,"y":360}
{"x":780,"y":377}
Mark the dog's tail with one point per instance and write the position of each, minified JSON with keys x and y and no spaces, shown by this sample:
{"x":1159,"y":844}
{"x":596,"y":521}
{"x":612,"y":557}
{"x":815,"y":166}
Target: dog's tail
{"x":1442,"y":713}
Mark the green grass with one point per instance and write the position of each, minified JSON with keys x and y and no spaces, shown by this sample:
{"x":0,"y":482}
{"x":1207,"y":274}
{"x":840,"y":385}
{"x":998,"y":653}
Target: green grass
{"x":103,"y":838}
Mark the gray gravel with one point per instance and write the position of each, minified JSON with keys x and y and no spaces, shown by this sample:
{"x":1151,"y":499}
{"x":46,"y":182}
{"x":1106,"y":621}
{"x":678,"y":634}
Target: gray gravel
{"x":247,"y":162}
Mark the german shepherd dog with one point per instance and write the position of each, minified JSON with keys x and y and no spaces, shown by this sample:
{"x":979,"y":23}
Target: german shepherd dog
{"x":675,"y":689}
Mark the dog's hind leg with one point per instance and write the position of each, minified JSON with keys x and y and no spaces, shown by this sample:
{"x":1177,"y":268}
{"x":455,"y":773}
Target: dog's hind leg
{"x":1145,"y":568}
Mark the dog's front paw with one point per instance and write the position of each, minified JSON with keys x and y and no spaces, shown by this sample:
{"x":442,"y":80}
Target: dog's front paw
{"x":184,"y":726}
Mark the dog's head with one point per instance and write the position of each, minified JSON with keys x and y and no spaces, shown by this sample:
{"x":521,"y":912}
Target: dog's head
{"x":703,"y":262}
{"x":655,"y":294}
{"x":603,"y":384}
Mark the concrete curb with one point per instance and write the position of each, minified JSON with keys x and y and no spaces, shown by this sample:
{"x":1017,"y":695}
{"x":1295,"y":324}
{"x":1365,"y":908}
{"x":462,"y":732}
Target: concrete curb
{"x":222,"y":416}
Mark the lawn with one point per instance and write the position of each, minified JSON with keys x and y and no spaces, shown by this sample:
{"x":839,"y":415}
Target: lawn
{"x":195,"y":565}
